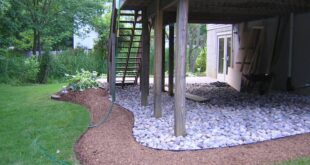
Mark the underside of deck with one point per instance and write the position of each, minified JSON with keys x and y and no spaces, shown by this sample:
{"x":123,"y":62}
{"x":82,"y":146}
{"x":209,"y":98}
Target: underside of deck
{"x":157,"y":14}
{"x":221,"y":11}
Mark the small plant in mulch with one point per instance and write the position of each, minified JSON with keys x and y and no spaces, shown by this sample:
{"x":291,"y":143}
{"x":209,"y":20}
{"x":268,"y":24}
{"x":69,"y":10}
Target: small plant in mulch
{"x":83,"y":80}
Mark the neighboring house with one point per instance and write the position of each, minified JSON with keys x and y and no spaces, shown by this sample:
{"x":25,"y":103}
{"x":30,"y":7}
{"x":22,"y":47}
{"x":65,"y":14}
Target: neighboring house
{"x":86,"y":38}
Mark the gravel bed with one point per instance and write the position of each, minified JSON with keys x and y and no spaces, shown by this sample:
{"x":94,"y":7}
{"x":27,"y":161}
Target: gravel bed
{"x":229,"y":118}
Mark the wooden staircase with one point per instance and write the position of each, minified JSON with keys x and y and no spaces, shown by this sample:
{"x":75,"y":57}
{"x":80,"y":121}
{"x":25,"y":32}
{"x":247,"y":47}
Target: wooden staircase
{"x":129,"y":50}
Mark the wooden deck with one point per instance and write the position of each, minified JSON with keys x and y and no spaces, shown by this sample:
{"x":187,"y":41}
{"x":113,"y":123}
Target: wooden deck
{"x":159,"y":13}
{"x":222,"y":11}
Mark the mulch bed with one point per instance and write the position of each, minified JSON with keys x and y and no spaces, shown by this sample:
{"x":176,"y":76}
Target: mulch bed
{"x":113,"y":143}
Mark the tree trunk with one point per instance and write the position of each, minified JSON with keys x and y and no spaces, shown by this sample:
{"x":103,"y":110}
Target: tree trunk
{"x":39,"y":46}
{"x":44,"y":61}
{"x":194,"y":58}
{"x":34,"y":46}
{"x":190,"y":51}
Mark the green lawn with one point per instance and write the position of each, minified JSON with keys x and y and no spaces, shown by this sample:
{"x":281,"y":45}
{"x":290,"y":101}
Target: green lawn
{"x":33,"y":127}
{"x":301,"y":161}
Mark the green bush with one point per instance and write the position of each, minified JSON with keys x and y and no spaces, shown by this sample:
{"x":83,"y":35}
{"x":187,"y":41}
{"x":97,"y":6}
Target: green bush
{"x":201,"y":63}
{"x":71,"y":61}
{"x":31,"y":69}
{"x":18,"y":70}
{"x":83,"y":80}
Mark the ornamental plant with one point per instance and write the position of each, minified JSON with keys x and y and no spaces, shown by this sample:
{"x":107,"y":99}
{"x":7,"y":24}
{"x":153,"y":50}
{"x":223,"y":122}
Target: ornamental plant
{"x":83,"y":80}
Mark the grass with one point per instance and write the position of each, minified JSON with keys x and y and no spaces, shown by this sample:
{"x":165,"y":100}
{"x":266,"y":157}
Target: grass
{"x":33,"y":127}
{"x":301,"y":161}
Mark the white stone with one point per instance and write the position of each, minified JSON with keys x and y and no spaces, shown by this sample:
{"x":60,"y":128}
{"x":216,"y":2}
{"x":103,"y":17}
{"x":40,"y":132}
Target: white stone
{"x":229,"y":119}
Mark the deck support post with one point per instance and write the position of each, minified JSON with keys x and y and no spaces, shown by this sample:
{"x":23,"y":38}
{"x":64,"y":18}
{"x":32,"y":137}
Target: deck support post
{"x":180,"y":81}
{"x":113,"y":46}
{"x":171,"y":59}
{"x":145,"y":61}
{"x":113,"y":68}
{"x":164,"y":59}
{"x":158,"y":61}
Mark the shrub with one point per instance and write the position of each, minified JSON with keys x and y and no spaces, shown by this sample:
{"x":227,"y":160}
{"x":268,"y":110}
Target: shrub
{"x":72,"y":60}
{"x":18,"y":70}
{"x":201,"y":63}
{"x":31,"y":69}
{"x":83,"y":80}
{"x":15,"y":68}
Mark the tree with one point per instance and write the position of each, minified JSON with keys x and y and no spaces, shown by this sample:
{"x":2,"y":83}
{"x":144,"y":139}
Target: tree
{"x":10,"y":26}
{"x":53,"y":20}
{"x":101,"y":24}
{"x":4,"y":6}
{"x":196,"y":43}
{"x":201,"y":62}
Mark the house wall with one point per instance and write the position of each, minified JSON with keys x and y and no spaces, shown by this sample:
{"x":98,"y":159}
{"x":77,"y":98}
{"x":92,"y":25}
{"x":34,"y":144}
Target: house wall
{"x":301,"y":55}
{"x":301,"y":59}
{"x":214,"y":31}
{"x":86,"y":38}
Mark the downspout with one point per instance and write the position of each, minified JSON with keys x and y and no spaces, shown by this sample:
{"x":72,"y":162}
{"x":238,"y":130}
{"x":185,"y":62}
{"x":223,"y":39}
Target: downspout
{"x":289,"y":84}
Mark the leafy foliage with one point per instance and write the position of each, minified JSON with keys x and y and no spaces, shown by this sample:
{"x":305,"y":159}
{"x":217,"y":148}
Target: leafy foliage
{"x":201,"y":63}
{"x":18,"y":70}
{"x":4,"y":6}
{"x":51,"y":21}
{"x":83,"y":80}
{"x":72,"y":60}
{"x":44,"y":25}
{"x":196,"y":41}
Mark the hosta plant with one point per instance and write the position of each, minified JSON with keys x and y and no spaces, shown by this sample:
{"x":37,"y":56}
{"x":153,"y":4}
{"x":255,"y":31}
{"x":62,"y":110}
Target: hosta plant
{"x":83,"y":80}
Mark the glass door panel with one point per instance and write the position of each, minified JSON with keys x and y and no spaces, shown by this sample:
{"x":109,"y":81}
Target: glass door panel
{"x":221,"y":56}
{"x":228,"y":56}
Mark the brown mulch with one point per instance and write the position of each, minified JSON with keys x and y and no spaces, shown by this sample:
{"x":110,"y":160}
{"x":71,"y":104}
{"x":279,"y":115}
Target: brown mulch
{"x":113,"y":143}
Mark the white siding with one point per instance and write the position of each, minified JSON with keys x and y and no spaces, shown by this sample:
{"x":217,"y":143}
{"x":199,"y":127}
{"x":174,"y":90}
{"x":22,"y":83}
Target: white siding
{"x":86,"y":40}
{"x":214,"y":31}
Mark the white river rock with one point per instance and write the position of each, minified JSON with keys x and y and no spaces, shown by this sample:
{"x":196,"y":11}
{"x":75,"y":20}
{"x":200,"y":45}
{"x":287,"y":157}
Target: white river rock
{"x":229,"y":118}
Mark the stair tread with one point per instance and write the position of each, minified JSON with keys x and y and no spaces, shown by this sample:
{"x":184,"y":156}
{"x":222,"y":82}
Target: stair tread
{"x":130,"y":28}
{"x":127,"y":67}
{"x":129,"y":41}
{"x":130,"y":21}
{"x":129,"y":57}
{"x":128,"y":63}
{"x":129,"y":47}
{"x":130,"y":35}
{"x":129,"y":76}
{"x":129,"y":14}
{"x":130,"y":51}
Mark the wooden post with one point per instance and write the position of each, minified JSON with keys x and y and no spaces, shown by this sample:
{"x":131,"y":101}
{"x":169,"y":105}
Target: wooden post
{"x":180,"y":81}
{"x":113,"y":68}
{"x":113,"y":41}
{"x":109,"y":61}
{"x":164,"y":60}
{"x":145,"y":62}
{"x":158,"y":61}
{"x":171,"y":59}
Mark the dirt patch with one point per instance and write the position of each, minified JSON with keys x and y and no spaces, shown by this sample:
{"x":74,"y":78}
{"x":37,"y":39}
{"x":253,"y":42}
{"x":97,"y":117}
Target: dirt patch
{"x":113,"y":143}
